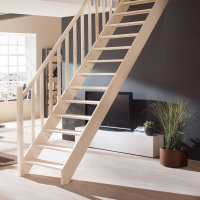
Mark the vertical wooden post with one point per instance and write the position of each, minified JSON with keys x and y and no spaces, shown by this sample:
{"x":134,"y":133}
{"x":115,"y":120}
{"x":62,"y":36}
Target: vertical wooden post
{"x":67,"y":60}
{"x":74,"y":49}
{"x":97,"y":18}
{"x":82,"y":38}
{"x":20,"y":132}
{"x":59,"y":73}
{"x":103,"y":14}
{"x":116,"y":3}
{"x":50,"y":102}
{"x":111,"y":7}
{"x":89,"y":26}
{"x":42,"y":99}
{"x":33,"y":111}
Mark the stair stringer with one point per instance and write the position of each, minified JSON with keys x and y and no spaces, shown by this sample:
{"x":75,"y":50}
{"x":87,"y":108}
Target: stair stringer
{"x":112,"y":91}
{"x":69,"y":94}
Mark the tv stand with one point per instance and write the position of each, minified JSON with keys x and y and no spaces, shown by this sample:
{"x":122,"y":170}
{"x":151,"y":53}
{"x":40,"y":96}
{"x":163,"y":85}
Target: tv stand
{"x":126,"y":142}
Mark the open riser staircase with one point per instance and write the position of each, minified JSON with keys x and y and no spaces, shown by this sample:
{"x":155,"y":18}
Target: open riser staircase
{"x":112,"y":14}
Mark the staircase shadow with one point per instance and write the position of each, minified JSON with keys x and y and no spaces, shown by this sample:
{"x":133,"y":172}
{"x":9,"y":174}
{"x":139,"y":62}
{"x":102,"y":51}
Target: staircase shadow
{"x":7,"y":160}
{"x":99,"y":191}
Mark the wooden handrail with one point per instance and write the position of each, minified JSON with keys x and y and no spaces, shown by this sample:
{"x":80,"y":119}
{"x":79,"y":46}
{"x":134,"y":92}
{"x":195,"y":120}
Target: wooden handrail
{"x":56,"y":46}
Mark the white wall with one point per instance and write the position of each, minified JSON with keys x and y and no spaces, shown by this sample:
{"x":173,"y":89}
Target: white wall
{"x":48,"y":30}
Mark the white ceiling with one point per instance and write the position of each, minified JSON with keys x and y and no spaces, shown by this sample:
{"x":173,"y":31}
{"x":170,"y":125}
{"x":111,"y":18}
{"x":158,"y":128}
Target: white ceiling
{"x":54,"y":8}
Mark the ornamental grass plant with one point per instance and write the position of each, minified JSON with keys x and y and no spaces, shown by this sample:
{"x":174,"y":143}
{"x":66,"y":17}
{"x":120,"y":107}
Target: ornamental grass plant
{"x":172,"y":118}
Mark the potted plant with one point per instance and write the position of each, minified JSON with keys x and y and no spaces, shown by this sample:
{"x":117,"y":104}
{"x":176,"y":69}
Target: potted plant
{"x":149,"y":128}
{"x":172,"y":119}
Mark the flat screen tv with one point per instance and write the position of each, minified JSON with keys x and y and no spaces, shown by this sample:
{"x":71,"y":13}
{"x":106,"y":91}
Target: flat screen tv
{"x":120,"y":114}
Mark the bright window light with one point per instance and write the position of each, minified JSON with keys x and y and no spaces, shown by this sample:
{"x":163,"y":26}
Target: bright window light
{"x":17,"y":62}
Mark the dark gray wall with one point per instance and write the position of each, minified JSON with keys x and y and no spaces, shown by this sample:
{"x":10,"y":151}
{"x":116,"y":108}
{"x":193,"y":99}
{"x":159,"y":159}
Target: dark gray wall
{"x":168,"y":66}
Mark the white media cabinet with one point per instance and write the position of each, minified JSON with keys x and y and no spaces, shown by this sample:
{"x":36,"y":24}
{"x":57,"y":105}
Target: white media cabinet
{"x":126,"y":142}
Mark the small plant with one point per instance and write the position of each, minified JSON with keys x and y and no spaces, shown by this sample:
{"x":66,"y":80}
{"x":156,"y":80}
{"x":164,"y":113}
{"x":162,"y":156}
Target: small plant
{"x":149,"y":128}
{"x":172,"y":118}
{"x":149,"y":125}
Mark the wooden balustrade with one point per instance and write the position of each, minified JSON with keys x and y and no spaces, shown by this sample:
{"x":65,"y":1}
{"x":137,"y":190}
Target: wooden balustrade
{"x":20,"y":131}
{"x":82,"y":37}
{"x":116,"y":3}
{"x":111,"y":8}
{"x":103,"y":14}
{"x":67,"y":60}
{"x":89,"y":26}
{"x":33,"y":112}
{"x":50,"y":85}
{"x":42,"y":98}
{"x":59,"y":60}
{"x":104,"y":7}
{"x":75,"y":48}
{"x":97,"y":17}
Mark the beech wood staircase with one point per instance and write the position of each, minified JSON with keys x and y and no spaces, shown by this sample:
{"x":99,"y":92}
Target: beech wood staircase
{"x":112,"y":14}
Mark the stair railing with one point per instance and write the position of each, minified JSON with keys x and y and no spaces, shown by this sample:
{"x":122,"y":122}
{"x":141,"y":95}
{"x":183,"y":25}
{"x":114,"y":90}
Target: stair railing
{"x":91,"y":11}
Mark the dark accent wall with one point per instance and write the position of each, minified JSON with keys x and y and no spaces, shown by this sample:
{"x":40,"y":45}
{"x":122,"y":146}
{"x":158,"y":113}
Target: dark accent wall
{"x":169,"y":65}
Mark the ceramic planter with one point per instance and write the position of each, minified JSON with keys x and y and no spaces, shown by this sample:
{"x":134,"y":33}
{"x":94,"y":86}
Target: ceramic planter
{"x":174,"y":159}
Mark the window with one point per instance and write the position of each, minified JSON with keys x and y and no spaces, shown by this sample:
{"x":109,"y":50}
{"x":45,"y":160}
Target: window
{"x":17,"y":62}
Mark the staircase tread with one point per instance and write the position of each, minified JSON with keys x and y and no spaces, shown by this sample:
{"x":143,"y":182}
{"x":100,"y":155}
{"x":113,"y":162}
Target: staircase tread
{"x":120,"y":35}
{"x":96,"y":74}
{"x":127,"y":24}
{"x":81,"y":102}
{"x":113,"y":48}
{"x":138,"y":2}
{"x":55,"y":147}
{"x":73,"y":116}
{"x":106,"y":60}
{"x":44,"y":163}
{"x":136,"y":12}
{"x":89,"y":87}
{"x":63,"y":131}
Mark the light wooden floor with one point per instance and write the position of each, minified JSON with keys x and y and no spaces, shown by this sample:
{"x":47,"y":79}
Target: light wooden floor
{"x":101,"y":175}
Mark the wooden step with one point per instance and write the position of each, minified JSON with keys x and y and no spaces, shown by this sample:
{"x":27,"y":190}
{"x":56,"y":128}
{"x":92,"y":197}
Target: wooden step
{"x":119,"y":36}
{"x":126,"y":24}
{"x":136,"y":12}
{"x":105,"y":61}
{"x":63,"y":131}
{"x":81,"y":102}
{"x":54,"y":147}
{"x":96,"y":74}
{"x":136,"y":2}
{"x":44,"y":163}
{"x":73,"y":116}
{"x":89,"y":88}
{"x":112,"y":48}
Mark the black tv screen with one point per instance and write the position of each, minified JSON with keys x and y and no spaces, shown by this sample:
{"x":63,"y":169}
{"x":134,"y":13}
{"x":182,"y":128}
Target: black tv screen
{"x":120,"y":113}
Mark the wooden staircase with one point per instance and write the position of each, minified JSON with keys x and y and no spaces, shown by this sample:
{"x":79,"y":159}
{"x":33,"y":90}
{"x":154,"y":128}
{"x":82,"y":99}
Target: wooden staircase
{"x":117,"y":11}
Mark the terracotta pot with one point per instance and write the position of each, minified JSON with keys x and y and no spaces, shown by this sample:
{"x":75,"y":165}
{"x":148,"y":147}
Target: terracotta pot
{"x":173,"y":159}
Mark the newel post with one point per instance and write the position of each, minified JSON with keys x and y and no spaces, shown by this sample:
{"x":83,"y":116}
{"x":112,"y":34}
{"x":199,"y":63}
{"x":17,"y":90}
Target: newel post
{"x":20,"y":134}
